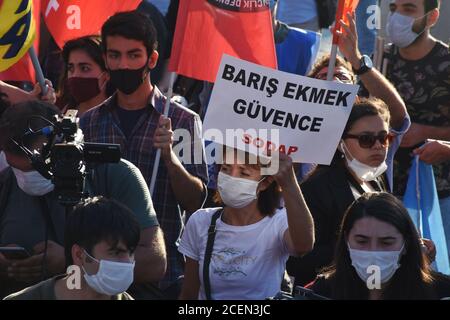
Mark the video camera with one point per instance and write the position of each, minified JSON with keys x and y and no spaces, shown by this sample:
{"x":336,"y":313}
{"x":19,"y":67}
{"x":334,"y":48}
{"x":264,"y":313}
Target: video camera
{"x":65,"y":157}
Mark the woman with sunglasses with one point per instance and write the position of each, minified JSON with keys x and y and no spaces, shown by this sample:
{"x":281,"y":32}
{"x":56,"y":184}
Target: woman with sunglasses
{"x":362,"y":159}
{"x":379,"y":256}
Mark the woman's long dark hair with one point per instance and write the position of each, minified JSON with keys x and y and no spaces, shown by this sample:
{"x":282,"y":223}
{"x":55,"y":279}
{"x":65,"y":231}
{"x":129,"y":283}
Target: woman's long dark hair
{"x":91,"y":45}
{"x":412,"y":280}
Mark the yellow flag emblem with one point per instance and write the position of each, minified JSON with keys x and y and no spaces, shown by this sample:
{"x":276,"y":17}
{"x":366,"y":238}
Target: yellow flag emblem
{"x":17,"y":30}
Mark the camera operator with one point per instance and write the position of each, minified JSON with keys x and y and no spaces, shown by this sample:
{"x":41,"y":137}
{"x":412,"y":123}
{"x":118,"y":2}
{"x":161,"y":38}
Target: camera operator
{"x":30,"y":212}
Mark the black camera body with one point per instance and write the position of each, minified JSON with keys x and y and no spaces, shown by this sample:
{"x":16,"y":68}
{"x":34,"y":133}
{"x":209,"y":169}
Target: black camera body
{"x":65,"y":159}
{"x":68,"y":172}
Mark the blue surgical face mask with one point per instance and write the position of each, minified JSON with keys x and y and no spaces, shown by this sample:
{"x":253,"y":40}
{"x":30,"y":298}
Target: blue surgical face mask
{"x":32,"y":182}
{"x":237,"y":192}
{"x":400,"y":29}
{"x":387,"y":261}
{"x":112,"y":277}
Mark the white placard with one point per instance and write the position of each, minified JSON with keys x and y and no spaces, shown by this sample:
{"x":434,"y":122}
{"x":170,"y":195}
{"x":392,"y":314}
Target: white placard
{"x":307,"y":115}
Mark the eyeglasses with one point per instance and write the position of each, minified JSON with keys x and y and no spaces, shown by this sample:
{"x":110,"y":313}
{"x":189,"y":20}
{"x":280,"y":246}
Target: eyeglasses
{"x":367,"y":140}
{"x":340,"y":76}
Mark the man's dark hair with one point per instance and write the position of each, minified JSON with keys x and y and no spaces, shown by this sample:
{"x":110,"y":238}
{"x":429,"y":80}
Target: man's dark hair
{"x":100,"y":219}
{"x":16,"y":121}
{"x":131,"y":25}
{"x":431,"y":5}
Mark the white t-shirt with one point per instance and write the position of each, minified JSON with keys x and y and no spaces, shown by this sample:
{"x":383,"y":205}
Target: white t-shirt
{"x":247,"y":262}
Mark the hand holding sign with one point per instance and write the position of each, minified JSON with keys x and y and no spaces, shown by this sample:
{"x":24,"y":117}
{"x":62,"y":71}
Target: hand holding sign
{"x":285,"y":175}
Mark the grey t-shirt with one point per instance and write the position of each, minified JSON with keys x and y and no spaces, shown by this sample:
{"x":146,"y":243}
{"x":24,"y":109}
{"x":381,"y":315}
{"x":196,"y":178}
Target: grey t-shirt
{"x":45,"y":290}
{"x":22,"y":221}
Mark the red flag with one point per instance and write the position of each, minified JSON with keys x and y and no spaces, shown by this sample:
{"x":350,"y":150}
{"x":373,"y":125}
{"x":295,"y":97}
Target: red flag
{"x":70,"y":19}
{"x":206,"y":29}
{"x":23,"y":69}
{"x":344,"y":7}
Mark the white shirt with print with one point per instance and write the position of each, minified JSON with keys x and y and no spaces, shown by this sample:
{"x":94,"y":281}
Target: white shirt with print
{"x":247,"y":263}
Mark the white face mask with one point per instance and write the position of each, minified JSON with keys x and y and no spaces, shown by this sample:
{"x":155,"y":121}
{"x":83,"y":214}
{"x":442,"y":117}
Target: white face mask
{"x":363,"y":171}
{"x":387,"y":261}
{"x":112,"y":277}
{"x":236,"y":192}
{"x":32,"y":183}
{"x":399,"y":29}
{"x":3,"y":163}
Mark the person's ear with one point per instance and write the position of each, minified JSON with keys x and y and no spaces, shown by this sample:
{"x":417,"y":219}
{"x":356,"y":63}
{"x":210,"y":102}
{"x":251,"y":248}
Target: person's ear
{"x":104,"y":78}
{"x":433,"y":17}
{"x":340,"y":146}
{"x":264,"y":184}
{"x":346,"y":237}
{"x":77,"y":255}
{"x":106,"y":61}
{"x":153,"y":59}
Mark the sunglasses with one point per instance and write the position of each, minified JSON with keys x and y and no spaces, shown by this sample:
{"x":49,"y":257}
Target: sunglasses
{"x":367,"y":141}
{"x":341,"y":77}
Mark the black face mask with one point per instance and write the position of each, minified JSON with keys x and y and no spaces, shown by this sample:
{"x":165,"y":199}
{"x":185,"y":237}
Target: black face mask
{"x":127,"y":80}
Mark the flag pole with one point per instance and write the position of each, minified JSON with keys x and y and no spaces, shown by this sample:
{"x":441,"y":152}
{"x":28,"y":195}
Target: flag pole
{"x":38,"y":70}
{"x":419,"y":207}
{"x":275,"y":10}
{"x":332,"y":62}
{"x":334,"y":47}
{"x":166,"y":113}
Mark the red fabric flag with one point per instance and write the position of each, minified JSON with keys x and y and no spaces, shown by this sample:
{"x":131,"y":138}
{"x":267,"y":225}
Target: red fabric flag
{"x":206,"y":29}
{"x":344,"y":7}
{"x":70,"y":19}
{"x":23,"y":69}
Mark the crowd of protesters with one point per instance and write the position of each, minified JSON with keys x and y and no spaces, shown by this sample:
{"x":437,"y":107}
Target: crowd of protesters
{"x":227,"y":231}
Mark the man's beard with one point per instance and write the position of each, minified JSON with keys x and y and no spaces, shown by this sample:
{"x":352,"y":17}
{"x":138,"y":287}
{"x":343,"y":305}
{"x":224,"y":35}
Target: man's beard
{"x":421,"y":31}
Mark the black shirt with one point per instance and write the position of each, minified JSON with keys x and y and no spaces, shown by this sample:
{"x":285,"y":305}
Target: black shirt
{"x":128,"y":119}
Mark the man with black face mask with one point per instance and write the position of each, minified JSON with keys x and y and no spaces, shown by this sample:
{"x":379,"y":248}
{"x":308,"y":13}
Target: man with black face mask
{"x":133,"y":117}
{"x":420,"y":70}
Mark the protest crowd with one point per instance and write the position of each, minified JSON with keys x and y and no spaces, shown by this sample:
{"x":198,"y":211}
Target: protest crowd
{"x":118,"y":180}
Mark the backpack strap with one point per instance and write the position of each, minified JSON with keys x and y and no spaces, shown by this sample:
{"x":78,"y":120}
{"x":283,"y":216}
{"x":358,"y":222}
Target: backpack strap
{"x":208,"y":252}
